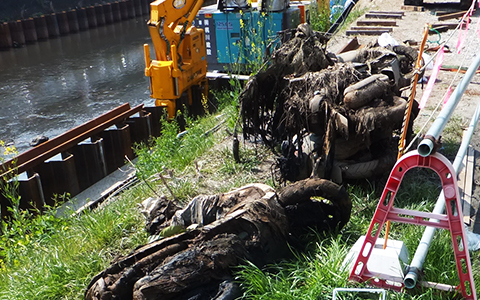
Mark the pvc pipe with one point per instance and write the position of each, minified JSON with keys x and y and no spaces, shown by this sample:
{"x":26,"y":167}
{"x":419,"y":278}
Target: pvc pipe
{"x":426,"y":146}
{"x":410,"y":280}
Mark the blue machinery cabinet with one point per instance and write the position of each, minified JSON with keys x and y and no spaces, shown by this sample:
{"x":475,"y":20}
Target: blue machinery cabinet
{"x":236,"y":39}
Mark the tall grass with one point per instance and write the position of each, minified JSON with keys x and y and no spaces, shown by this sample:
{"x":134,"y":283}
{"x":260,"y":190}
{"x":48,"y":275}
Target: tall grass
{"x":57,"y":257}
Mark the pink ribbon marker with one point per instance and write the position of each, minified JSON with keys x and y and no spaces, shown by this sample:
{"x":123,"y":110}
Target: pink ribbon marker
{"x":447,"y":95}
{"x":433,"y":77}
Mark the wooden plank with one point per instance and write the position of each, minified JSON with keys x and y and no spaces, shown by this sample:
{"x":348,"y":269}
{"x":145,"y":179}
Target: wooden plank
{"x":451,"y":16}
{"x":376,"y":23}
{"x":448,"y":25}
{"x":365,"y":32}
{"x":438,"y":29}
{"x":387,"y":29}
{"x":351,"y":45}
{"x":387,"y":12}
{"x":443,"y":12}
{"x":412,"y":8}
{"x":383,"y":16}
{"x":468,"y":187}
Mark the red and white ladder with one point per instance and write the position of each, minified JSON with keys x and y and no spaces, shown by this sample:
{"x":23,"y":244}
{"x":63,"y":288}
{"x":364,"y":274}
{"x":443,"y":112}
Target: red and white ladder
{"x":452,"y":221}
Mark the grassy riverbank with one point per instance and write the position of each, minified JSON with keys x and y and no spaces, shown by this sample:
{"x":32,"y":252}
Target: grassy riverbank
{"x":55,"y":258}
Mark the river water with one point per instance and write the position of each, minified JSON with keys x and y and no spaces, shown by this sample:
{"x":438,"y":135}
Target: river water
{"x":54,"y":85}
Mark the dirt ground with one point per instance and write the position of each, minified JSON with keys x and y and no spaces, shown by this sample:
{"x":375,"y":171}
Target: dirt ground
{"x":410,"y":28}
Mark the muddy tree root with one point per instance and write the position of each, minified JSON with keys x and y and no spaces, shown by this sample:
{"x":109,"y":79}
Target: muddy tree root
{"x":254,"y":224}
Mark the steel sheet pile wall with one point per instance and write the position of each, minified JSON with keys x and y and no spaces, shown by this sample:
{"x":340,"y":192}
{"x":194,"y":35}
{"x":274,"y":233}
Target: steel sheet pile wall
{"x":30,"y":30}
{"x":77,"y":159}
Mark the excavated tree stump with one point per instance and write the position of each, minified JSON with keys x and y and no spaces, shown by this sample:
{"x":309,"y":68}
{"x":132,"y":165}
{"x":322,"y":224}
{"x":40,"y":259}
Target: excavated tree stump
{"x":329,"y":114}
{"x":252,"y":223}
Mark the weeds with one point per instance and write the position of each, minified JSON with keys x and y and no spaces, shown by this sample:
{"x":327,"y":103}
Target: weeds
{"x":320,"y":16}
{"x":58,"y":258}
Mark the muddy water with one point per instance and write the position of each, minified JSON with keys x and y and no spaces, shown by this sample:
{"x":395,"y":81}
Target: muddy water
{"x":52,"y":86}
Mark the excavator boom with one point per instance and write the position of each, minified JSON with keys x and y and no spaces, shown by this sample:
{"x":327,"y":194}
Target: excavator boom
{"x":180,"y":56}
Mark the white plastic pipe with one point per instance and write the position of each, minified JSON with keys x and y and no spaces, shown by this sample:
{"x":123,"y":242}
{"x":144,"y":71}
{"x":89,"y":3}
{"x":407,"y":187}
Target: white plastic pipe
{"x":426,"y":146}
{"x":410,"y":280}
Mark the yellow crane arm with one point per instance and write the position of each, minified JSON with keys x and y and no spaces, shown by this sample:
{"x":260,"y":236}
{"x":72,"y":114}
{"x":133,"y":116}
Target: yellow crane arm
{"x":180,"y":56}
{"x":165,"y":16}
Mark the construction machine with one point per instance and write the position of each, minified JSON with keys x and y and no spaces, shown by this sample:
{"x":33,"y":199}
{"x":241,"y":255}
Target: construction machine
{"x":179,"y":69}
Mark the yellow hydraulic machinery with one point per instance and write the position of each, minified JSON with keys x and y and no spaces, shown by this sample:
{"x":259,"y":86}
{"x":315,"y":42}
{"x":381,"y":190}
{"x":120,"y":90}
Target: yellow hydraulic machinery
{"x":181,"y":63}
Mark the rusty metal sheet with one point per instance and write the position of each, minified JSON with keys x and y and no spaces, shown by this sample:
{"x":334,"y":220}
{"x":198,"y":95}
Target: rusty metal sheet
{"x":139,"y":128}
{"x":156,"y":114}
{"x":31,"y":193}
{"x":44,"y":151}
{"x":90,"y":162}
{"x":58,"y":178}
{"x":376,"y":23}
{"x":117,"y":144}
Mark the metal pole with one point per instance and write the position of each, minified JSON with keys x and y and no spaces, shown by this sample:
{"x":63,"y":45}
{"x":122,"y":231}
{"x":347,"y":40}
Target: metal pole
{"x":426,"y":146}
{"x":410,"y":279}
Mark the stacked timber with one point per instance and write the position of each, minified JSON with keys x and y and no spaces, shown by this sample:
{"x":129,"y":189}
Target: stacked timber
{"x":376,"y":23}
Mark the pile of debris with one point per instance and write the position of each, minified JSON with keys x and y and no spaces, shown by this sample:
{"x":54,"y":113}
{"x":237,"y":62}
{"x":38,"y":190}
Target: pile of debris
{"x":330,"y":116}
{"x":215,"y":233}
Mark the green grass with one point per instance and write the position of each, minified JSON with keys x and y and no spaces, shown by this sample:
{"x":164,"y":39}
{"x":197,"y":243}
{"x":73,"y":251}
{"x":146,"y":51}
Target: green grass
{"x":452,"y":135}
{"x":58,"y":257}
{"x":319,"y":18}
